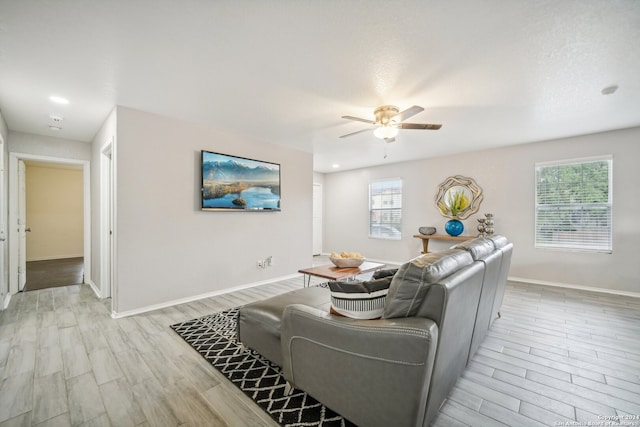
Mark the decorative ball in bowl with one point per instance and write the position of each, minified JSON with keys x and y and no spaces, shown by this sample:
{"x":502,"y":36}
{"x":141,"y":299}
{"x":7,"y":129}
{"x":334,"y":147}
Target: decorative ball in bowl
{"x":427,"y":231}
{"x":346,"y":259}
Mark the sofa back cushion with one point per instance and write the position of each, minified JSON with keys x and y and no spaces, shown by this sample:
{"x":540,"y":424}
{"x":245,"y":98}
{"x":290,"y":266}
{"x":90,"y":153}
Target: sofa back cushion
{"x":499,"y":241}
{"x":411,"y":284}
{"x":479,"y":248}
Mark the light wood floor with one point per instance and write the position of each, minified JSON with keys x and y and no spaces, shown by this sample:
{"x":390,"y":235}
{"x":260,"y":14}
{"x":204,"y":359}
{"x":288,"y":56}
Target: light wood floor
{"x":556,"y":356}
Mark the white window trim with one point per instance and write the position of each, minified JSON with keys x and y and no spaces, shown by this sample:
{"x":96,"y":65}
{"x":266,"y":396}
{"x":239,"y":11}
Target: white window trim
{"x":371,"y":183}
{"x":566,"y":162}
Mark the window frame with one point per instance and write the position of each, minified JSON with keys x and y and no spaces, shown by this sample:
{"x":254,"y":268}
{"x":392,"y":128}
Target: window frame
{"x":397,"y":225}
{"x":582,"y":245}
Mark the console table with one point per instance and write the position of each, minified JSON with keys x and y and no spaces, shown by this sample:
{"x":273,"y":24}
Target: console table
{"x":426,"y":237}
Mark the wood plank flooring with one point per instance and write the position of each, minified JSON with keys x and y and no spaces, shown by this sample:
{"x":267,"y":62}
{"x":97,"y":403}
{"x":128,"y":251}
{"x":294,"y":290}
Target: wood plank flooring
{"x":54,"y":272}
{"x":556,"y":357}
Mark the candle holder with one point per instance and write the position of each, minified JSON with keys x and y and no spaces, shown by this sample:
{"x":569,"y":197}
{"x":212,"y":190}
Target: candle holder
{"x":485,"y":225}
{"x":481,"y":227}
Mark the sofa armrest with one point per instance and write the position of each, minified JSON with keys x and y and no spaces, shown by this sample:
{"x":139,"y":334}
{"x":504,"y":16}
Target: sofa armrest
{"x":373,"y":372}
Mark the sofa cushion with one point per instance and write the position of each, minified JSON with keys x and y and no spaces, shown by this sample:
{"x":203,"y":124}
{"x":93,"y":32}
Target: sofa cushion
{"x":259,"y":322}
{"x":410,"y":284}
{"x":498,"y":241}
{"x":359,"y":300}
{"x":388,"y":272}
{"x":479,"y":248}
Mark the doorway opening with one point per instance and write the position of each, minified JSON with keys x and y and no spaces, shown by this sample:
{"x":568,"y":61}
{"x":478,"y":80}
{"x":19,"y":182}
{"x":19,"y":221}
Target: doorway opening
{"x":58,"y":240}
{"x":53,"y":198}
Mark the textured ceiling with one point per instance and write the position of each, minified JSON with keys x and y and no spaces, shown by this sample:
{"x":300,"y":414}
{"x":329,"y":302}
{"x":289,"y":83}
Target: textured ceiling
{"x":493,"y":72}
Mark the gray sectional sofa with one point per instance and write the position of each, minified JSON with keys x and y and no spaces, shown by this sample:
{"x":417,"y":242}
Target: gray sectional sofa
{"x":399,"y":369}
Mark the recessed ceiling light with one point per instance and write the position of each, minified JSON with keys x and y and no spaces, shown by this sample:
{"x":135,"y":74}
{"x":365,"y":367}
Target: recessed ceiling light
{"x":335,"y":166}
{"x":58,"y":99}
{"x":609,"y":90}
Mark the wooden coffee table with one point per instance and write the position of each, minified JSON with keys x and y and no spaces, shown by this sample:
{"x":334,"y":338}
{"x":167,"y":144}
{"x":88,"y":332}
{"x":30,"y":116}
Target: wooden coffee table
{"x":332,"y":272}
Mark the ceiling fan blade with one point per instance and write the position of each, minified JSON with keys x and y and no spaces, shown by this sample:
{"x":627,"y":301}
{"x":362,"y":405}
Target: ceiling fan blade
{"x":353,"y":133}
{"x":409,"y":112}
{"x":419,"y":126}
{"x":358,"y":119}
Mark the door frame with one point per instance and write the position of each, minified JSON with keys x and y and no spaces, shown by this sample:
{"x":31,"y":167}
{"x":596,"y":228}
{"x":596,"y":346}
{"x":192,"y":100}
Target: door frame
{"x":318,"y":211}
{"x":107,"y":222}
{"x":4,"y":277}
{"x":22,"y":224}
{"x":13,"y":213}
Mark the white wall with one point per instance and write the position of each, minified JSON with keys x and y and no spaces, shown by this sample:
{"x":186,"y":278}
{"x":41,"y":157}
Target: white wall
{"x":507,"y":178}
{"x":4,"y":130}
{"x":27,"y":143}
{"x":168,"y":249}
{"x":54,"y":211}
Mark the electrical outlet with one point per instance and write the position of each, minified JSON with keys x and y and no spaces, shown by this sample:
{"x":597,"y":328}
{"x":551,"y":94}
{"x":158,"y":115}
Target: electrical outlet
{"x":264,"y":263}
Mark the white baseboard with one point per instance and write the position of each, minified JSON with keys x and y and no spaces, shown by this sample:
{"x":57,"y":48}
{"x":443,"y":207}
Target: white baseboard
{"x":118,"y":315}
{"x":94,"y":287}
{"x":578,"y":287}
{"x":49,"y":258}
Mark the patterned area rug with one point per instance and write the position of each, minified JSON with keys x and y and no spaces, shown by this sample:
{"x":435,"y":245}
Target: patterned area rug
{"x":214,"y":337}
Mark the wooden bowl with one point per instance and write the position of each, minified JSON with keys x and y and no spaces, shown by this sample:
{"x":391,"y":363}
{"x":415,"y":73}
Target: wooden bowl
{"x":347,"y":262}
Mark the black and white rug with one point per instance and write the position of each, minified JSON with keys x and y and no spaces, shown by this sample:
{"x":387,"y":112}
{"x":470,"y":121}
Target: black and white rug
{"x":214,"y":337}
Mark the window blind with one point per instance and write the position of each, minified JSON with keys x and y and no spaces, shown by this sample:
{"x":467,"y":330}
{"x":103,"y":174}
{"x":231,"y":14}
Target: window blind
{"x":385,"y":209}
{"x":573,"y":205}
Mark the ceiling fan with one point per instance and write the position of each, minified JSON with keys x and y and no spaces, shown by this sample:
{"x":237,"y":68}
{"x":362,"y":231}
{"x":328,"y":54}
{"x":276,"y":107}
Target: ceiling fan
{"x":389,"y":119}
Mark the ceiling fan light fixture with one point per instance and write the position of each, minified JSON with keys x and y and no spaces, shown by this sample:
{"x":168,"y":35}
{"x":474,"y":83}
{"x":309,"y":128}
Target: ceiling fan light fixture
{"x":386,"y":132}
{"x":389,"y":120}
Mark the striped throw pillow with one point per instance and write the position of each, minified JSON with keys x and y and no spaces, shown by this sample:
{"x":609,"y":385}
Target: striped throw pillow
{"x":359,"y":300}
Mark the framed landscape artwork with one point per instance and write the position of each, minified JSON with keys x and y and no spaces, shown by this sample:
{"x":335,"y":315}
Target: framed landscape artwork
{"x":239,"y":184}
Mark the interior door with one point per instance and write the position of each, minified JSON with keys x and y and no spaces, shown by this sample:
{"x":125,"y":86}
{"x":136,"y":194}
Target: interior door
{"x":22,"y":227}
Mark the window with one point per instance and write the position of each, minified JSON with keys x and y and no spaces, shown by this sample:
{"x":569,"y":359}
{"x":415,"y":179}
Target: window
{"x":573,"y":205}
{"x":385,"y":209}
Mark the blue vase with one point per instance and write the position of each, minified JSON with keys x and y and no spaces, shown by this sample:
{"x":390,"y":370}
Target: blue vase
{"x":454,"y":227}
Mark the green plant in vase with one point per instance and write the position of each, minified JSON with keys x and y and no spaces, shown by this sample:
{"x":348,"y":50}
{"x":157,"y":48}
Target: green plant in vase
{"x":456,"y":202}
